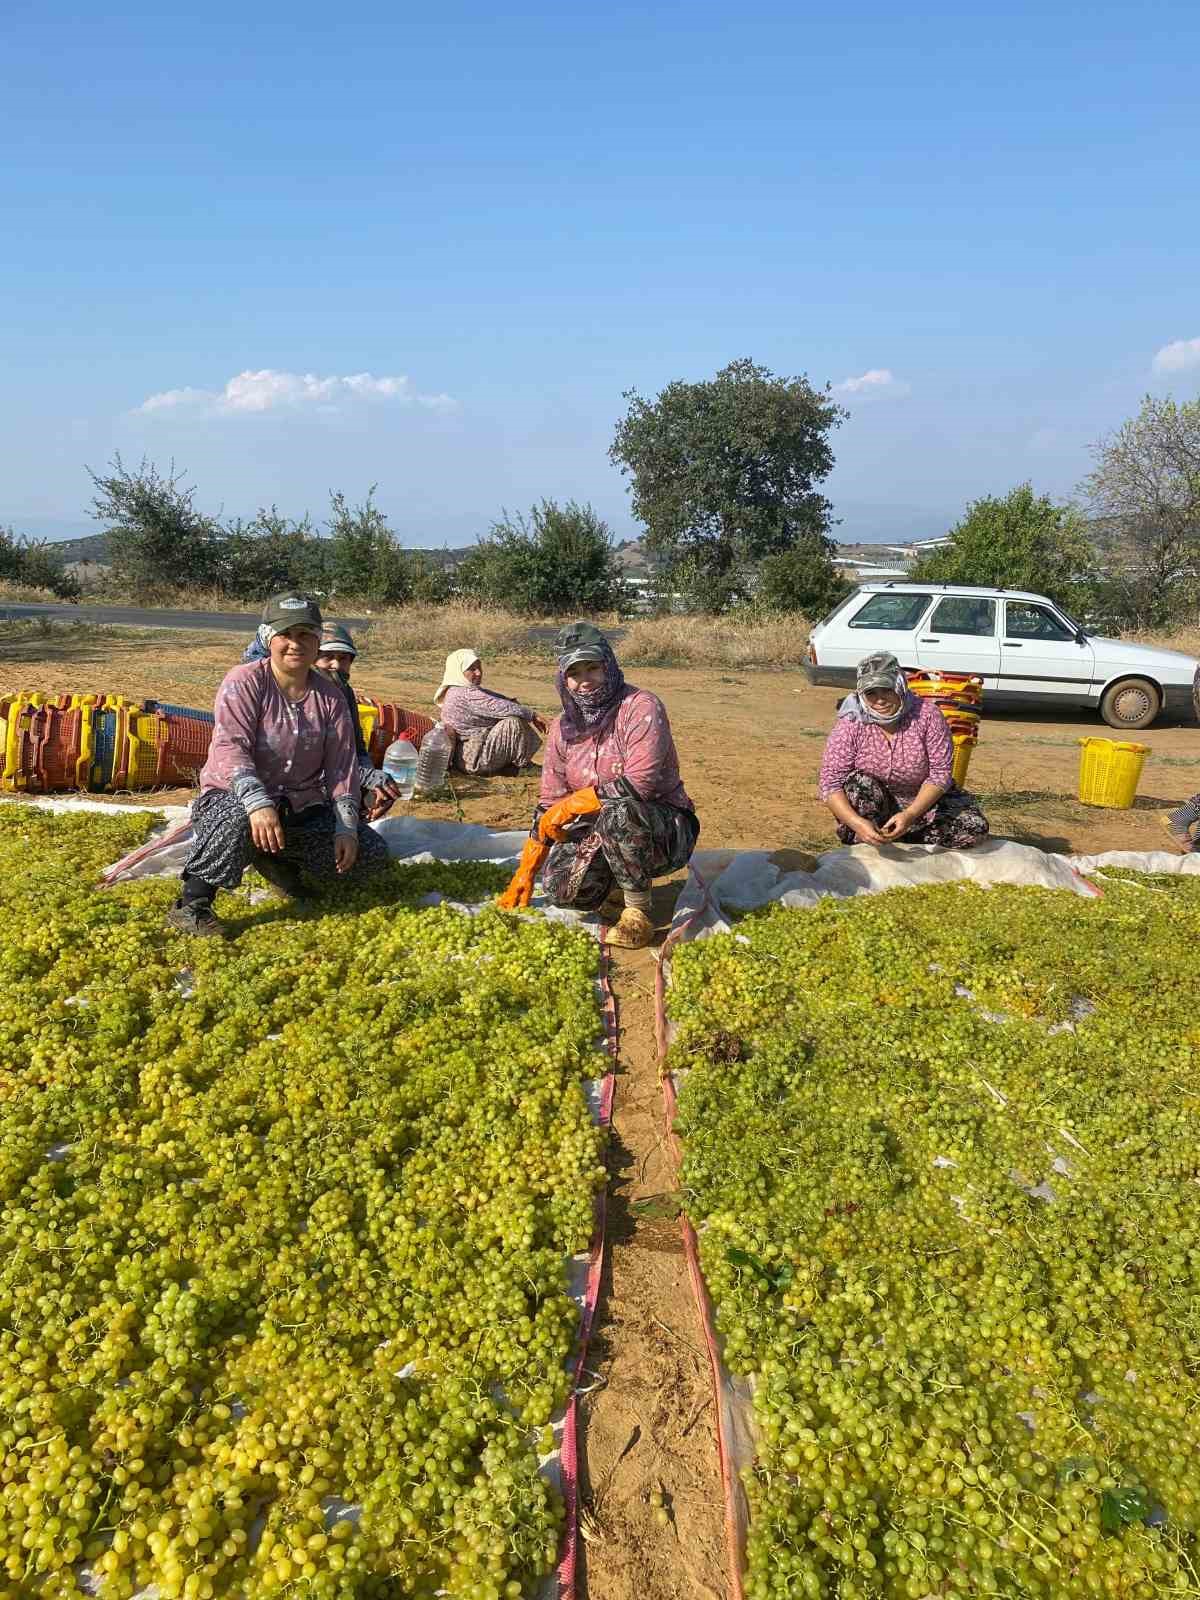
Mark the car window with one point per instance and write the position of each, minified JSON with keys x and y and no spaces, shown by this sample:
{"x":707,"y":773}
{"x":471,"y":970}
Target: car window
{"x":959,"y":613}
{"x":896,"y":611}
{"x":1023,"y":620}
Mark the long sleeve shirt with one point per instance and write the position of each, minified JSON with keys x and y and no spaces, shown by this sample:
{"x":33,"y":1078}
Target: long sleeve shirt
{"x":636,"y":746}
{"x":473,"y":710}
{"x":919,"y":750}
{"x":266,"y":747}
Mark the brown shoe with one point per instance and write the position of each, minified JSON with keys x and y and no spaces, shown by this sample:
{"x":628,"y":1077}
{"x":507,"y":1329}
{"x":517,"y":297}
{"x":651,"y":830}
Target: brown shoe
{"x":196,"y":918}
{"x":633,"y":931}
{"x":612,"y":908}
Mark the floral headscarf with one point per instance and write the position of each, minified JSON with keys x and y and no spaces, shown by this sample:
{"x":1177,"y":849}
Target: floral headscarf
{"x":879,"y":671}
{"x":585,"y":716}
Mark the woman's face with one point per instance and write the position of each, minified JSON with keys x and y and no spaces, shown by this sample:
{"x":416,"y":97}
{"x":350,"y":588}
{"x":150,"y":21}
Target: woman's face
{"x":883,"y":702}
{"x":295,"y":649}
{"x":335,"y":661}
{"x":585,"y":677}
{"x":473,"y":673}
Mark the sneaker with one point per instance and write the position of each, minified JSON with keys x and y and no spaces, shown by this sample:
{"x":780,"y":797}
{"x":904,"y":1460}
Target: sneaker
{"x":196,"y":917}
{"x":284,"y":877}
{"x":1181,"y":840}
{"x":633,"y":931}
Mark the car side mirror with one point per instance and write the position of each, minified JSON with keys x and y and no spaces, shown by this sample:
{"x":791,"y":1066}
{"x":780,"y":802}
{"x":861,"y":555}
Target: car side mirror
{"x":1080,"y":636}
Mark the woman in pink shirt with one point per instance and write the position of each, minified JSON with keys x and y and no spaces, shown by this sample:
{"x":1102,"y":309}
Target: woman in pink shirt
{"x":280,"y":790}
{"x":887,"y":770}
{"x":612,"y":804}
{"x":492,"y":732}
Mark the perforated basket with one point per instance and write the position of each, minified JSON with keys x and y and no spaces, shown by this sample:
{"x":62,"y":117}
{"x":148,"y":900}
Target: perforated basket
{"x":1109,"y":772}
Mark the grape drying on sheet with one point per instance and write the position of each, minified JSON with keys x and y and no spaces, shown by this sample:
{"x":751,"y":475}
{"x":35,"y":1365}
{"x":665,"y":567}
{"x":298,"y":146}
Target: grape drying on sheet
{"x":943,"y":1153}
{"x":284,"y":1231}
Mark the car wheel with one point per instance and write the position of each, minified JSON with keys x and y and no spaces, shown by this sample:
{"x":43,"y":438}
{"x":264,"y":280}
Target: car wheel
{"x":1133,"y":703}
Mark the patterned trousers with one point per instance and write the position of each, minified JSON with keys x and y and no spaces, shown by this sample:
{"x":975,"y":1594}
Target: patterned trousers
{"x":630,"y":843}
{"x":510,"y":742}
{"x":956,"y":822}
{"x":224,"y":849}
{"x":1185,"y":818}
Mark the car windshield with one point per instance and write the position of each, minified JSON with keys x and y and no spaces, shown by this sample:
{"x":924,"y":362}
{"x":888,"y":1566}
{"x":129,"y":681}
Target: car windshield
{"x":1070,"y":621}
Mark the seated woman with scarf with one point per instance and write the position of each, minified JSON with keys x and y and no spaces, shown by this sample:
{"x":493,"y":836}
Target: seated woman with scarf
{"x":280,"y":790}
{"x":886,"y":773}
{"x":612,"y":806}
{"x":492,"y":732}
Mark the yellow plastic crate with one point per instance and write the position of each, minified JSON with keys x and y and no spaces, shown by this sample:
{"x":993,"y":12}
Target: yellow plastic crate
{"x":1109,"y":772}
{"x":962,"y":758}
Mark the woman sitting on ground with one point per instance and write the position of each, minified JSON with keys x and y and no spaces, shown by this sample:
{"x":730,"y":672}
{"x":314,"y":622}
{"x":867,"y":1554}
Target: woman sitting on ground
{"x":280,"y":789}
{"x":887,"y":770}
{"x":612,"y":803}
{"x":491,"y":731}
{"x":1183,"y":826}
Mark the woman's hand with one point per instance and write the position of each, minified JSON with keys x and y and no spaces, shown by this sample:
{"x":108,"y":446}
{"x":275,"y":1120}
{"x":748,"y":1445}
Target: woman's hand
{"x":540,"y":723}
{"x":866,"y":832}
{"x":896,"y":827}
{"x":266,"y":830}
{"x":345,"y":851}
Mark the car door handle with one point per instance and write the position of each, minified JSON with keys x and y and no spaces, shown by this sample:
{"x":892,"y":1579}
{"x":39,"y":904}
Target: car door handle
{"x":931,"y":641}
{"x":1010,"y":645}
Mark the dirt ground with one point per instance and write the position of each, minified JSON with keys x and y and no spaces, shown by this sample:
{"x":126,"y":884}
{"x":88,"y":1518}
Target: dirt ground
{"x":750,"y":745}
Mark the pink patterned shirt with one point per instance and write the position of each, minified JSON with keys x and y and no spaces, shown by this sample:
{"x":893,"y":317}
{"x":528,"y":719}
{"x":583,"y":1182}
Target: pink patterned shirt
{"x":637,"y":746}
{"x":919,"y":750}
{"x":475,"y":710}
{"x":266,"y":747}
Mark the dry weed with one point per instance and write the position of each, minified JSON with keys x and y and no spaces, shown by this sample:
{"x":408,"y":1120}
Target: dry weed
{"x":1186,"y":639}
{"x":27,"y":594}
{"x":753,"y":640}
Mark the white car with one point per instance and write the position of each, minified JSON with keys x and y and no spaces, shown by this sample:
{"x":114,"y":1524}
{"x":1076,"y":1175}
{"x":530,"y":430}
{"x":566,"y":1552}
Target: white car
{"x":1024,"y":647}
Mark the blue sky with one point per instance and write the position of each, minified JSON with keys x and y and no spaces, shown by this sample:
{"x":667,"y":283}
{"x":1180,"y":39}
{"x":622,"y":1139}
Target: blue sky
{"x":494,"y":219}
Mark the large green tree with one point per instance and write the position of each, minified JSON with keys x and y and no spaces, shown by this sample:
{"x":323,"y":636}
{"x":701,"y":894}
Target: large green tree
{"x":725,"y":472}
{"x":560,"y":558}
{"x":1017,"y":541}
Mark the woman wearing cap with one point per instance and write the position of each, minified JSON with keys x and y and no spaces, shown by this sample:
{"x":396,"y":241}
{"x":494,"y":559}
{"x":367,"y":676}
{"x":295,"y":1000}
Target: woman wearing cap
{"x":886,"y":773}
{"x":492,"y":732}
{"x":280,"y":789}
{"x":335,"y":658}
{"x":612,"y":805}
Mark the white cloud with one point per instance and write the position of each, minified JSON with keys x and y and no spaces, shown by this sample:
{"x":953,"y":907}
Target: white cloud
{"x":269,"y":390}
{"x":1178,"y":356}
{"x":878,"y":380}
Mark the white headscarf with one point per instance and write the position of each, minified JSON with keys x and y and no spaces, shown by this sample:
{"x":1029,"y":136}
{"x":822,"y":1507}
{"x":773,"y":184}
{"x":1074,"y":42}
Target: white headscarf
{"x":455,"y":675}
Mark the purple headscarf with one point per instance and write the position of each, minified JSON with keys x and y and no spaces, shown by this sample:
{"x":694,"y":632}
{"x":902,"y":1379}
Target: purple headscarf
{"x":585,"y":718}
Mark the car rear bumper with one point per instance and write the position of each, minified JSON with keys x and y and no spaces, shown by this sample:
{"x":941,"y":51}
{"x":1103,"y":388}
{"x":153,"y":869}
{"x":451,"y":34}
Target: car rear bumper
{"x":829,"y":677}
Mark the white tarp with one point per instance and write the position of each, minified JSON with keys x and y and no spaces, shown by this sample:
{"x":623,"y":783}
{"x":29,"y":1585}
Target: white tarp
{"x":721,"y":882}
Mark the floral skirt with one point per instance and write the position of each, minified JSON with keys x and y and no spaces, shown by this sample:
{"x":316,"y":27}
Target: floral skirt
{"x":510,"y":742}
{"x":224,"y":848}
{"x":630,"y":843}
{"x":956,"y":821}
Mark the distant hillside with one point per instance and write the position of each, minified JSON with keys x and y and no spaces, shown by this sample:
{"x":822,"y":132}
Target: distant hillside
{"x":91,"y":547}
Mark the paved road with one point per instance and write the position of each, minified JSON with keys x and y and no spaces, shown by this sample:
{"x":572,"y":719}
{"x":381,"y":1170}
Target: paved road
{"x":136,"y":617}
{"x":223,"y":621}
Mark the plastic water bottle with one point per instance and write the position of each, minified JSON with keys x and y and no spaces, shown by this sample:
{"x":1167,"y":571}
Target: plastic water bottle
{"x":400,"y":764}
{"x":434,"y":760}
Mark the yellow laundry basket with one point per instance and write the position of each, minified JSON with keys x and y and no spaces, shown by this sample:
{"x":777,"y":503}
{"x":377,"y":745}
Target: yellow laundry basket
{"x":1109,"y":771}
